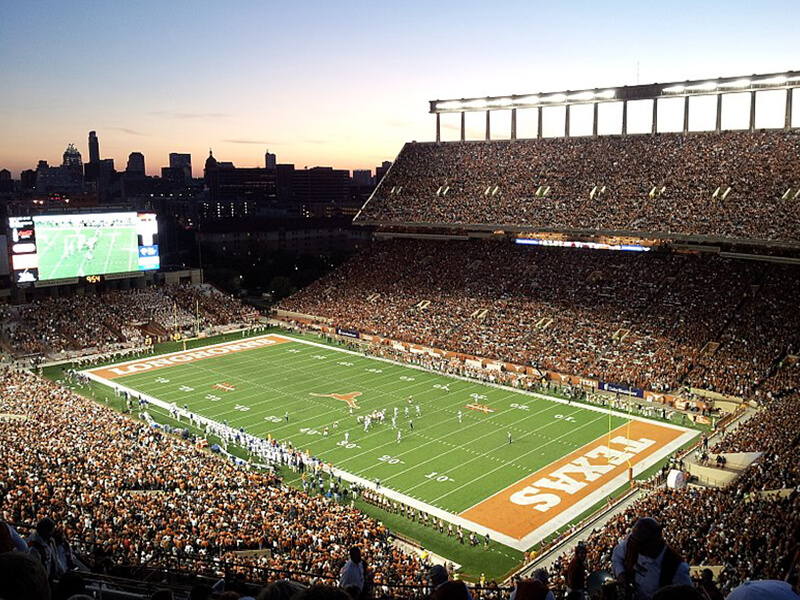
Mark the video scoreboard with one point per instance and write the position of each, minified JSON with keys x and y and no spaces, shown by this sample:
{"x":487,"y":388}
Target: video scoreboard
{"x":46,"y":248}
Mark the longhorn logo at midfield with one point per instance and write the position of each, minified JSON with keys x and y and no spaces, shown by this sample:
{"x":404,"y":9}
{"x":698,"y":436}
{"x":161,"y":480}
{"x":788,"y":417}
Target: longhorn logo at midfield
{"x":349,"y":398}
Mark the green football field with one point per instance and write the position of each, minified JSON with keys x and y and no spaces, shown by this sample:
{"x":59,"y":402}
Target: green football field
{"x":440,"y":460}
{"x":80,"y":251}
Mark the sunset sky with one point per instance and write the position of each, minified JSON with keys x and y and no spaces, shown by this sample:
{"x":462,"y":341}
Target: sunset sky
{"x":343,"y":84}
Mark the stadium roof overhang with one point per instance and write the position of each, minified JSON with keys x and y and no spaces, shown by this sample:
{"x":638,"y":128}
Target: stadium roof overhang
{"x":700,"y":87}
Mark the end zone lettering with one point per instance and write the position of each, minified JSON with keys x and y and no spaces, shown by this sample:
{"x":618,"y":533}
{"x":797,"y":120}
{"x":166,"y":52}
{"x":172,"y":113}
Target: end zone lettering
{"x":189,"y":356}
{"x":577,"y":474}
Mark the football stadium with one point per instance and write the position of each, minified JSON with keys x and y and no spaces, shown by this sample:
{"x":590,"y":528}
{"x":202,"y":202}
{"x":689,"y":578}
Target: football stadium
{"x":558,"y":359}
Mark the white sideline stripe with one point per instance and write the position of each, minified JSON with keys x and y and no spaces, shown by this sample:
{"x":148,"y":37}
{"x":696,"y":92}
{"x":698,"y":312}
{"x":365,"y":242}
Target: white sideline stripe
{"x":526,"y":542}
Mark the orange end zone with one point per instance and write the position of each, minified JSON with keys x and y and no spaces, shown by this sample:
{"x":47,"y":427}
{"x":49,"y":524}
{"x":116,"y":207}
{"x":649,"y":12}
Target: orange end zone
{"x":185,"y":356}
{"x":534,"y":501}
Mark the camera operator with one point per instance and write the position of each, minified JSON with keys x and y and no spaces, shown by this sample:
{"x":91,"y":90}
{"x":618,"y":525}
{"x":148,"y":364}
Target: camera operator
{"x":643,"y":563}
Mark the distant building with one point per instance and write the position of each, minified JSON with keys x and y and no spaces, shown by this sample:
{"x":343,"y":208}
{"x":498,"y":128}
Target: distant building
{"x":65,"y":178}
{"x":240,"y":238}
{"x":237,"y":192}
{"x":135,"y":164}
{"x":321,"y":191}
{"x":362,"y":177}
{"x":27,"y":179}
{"x":92,"y":168}
{"x":270,"y":160}
{"x":6,"y":183}
{"x":182,"y":162}
{"x":73,"y":164}
{"x":94,"y":148}
{"x":381,"y":171}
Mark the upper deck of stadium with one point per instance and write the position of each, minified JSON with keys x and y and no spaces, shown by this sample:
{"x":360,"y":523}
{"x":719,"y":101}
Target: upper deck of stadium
{"x":704,"y":186}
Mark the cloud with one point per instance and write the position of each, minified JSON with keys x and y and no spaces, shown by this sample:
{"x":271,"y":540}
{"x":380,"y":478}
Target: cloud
{"x":257,"y":142}
{"x":129,"y":131}
{"x":190,"y":115}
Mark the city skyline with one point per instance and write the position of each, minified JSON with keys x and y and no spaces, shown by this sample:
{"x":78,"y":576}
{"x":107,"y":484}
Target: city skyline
{"x":341,"y":86}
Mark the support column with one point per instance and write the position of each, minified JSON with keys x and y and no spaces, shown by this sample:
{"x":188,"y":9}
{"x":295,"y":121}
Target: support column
{"x":438,"y":128}
{"x":752,"y":111}
{"x":513,"y":124}
{"x":718,"y":127}
{"x":594,"y":119}
{"x":686,"y":115}
{"x":463,"y":126}
{"x":488,"y":126}
{"x":539,"y":129}
{"x":787,"y":124}
{"x":654,"y":129}
{"x":566,"y":122}
{"x":624,"y":117}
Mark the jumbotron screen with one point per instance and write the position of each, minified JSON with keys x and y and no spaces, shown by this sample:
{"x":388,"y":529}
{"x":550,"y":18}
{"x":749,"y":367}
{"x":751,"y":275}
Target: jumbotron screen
{"x":49,"y":247}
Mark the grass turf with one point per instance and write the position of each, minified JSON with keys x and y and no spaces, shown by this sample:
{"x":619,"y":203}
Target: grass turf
{"x":444,"y":462}
{"x":495,"y":562}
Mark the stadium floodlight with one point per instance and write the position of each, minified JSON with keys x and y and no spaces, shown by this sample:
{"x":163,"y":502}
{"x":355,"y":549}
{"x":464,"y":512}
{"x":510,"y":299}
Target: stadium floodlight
{"x":738,"y":84}
{"x":606,"y":95}
{"x":704,"y":87}
{"x":449,"y":105}
{"x":581,"y":96}
{"x":777,"y":80}
{"x":675,"y":89}
{"x":501,"y":102}
{"x":555,"y":98}
{"x":479,"y":103}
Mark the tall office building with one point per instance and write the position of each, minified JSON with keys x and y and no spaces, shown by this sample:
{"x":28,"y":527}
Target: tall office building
{"x":381,"y":171}
{"x":94,"y":148}
{"x":92,"y":168}
{"x":362,"y":177}
{"x":270,"y":160}
{"x":135,"y":164}
{"x":182,"y":162}
{"x":73,"y":164}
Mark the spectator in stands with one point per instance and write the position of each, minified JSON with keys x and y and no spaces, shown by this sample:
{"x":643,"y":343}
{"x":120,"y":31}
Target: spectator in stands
{"x":42,"y":547}
{"x":576,"y":574}
{"x":708,"y":586}
{"x":69,"y":585}
{"x":282,"y":589}
{"x":452,"y":590}
{"x":531,"y":589}
{"x":437,"y":576}
{"x":678,"y":592}
{"x":10,"y":540}
{"x":644,"y":562}
{"x":322,"y":592}
{"x":353,"y":572}
{"x":540,"y":576}
{"x":201,"y":592}
{"x":22,"y":577}
{"x":764,"y":590}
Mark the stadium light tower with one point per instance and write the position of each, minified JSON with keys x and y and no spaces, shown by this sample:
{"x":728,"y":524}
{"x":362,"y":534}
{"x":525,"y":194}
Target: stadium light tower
{"x":789,"y":81}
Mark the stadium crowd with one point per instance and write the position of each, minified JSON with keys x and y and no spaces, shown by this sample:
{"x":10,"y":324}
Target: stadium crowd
{"x":115,"y":319}
{"x":140,"y":496}
{"x":747,"y":528}
{"x":650,"y":320}
{"x":664,"y":184}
